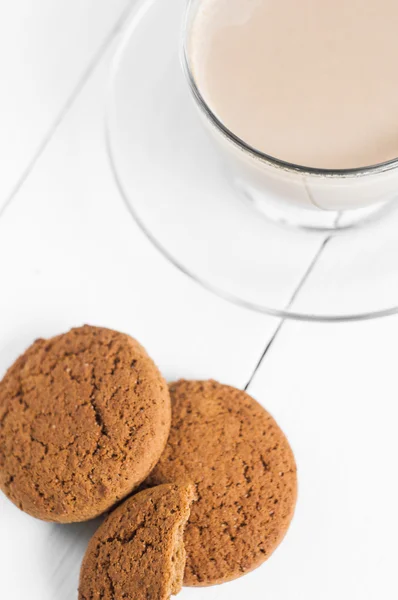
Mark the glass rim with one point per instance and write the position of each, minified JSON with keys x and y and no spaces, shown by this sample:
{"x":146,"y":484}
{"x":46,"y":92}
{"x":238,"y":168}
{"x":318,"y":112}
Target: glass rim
{"x":247,"y":148}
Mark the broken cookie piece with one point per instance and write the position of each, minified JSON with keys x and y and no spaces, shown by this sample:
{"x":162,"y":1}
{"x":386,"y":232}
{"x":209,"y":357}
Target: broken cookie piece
{"x":138,"y":552}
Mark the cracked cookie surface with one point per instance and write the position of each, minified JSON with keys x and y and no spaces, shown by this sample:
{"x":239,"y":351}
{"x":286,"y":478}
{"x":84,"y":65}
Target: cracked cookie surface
{"x":84,"y":417}
{"x":138,"y":551}
{"x":245,"y":474}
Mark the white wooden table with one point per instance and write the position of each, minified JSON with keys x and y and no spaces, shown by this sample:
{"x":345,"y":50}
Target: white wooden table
{"x":70,"y":254}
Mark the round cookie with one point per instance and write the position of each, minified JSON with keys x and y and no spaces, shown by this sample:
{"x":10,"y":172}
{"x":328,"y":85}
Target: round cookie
{"x":245,"y":475}
{"x":84,"y":417}
{"x":138,"y":552}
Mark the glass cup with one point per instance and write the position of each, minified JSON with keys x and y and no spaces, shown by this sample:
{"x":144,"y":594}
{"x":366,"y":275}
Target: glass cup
{"x":313,"y":198}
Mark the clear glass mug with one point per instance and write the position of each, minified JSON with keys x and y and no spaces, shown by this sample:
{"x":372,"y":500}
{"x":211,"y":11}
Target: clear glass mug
{"x":321,"y":199}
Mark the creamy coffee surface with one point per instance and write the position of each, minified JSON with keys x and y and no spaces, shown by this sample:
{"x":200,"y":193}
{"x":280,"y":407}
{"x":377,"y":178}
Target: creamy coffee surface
{"x":311,"y":82}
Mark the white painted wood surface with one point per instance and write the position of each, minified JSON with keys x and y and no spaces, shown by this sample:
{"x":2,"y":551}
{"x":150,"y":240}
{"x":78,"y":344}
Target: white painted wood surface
{"x":333,"y":389}
{"x":46,"y":49}
{"x":70,"y":253}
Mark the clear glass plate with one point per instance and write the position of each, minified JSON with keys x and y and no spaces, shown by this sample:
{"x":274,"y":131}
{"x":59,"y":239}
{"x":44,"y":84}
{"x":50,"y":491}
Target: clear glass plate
{"x":176,"y":188}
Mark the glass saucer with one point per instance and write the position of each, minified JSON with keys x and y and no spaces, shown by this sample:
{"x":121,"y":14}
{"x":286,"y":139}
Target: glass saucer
{"x":177,"y":190}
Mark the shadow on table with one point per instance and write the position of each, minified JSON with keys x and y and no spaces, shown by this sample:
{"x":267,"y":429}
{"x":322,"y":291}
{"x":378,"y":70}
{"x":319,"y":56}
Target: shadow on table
{"x":64,"y":553}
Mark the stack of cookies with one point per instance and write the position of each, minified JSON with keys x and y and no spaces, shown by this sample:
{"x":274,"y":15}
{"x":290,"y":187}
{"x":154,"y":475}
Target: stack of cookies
{"x":87,"y":420}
